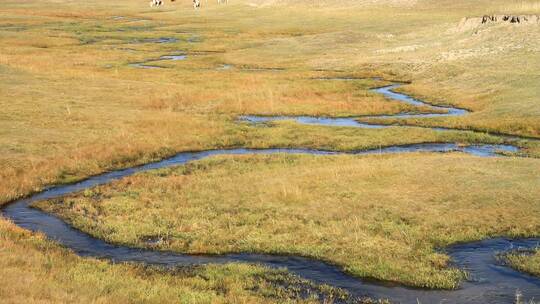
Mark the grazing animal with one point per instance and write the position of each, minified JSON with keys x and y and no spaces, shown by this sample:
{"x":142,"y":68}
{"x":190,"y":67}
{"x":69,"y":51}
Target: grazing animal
{"x":156,"y":3}
{"x":196,"y":4}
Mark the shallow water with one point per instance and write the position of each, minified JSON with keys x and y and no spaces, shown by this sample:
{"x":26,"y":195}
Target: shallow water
{"x":157,"y":40}
{"x":490,"y":282}
{"x":387,"y":91}
{"x":146,"y":65}
{"x":225,"y":67}
{"x":311,"y":120}
{"x":153,"y":40}
{"x":143,"y":65}
{"x":173,"y":57}
{"x":493,"y":283}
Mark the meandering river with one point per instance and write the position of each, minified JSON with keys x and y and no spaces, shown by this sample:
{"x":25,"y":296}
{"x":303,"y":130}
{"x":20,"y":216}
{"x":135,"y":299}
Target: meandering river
{"x":490,"y":282}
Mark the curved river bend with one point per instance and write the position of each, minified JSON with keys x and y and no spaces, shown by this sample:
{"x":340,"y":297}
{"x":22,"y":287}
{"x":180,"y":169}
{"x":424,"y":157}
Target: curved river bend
{"x":387,"y":91}
{"x":490,"y":281}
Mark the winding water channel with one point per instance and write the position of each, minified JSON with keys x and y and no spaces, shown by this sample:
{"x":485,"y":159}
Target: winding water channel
{"x":388,"y":91}
{"x":490,"y":281}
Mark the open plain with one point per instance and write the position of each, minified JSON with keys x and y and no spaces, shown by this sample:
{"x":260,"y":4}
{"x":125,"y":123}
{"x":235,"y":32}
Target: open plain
{"x":408,"y":128}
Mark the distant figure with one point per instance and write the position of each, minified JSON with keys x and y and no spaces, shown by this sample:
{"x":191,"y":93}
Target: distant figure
{"x":196,"y":4}
{"x":156,"y":3}
{"x":222,"y":1}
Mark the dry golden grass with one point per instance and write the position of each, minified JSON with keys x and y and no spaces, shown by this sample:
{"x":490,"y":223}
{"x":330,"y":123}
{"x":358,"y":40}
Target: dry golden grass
{"x":70,"y":106}
{"x":64,"y":79}
{"x":35,"y":270}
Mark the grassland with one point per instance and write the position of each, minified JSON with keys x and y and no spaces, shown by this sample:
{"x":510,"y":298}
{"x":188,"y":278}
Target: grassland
{"x":35,"y":270}
{"x":528,"y":262}
{"x":70,"y":106}
{"x":68,"y":64}
{"x":376,"y":216}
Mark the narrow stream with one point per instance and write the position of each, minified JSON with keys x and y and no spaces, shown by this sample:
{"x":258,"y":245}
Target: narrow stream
{"x":146,"y":64}
{"x":388,"y":91}
{"x":490,"y":282}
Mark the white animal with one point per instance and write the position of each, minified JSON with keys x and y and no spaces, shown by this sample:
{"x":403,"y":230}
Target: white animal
{"x":222,"y":1}
{"x":196,"y":4}
{"x":156,"y":3}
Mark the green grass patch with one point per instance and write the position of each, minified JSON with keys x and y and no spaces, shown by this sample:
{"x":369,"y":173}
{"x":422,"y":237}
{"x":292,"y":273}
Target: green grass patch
{"x":376,"y":216}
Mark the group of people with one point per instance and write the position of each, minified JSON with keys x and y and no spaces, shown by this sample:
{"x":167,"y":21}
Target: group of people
{"x":196,"y":3}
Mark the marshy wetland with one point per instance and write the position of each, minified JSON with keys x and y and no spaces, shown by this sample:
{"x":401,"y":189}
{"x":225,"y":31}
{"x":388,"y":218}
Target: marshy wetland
{"x":363,"y":152}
